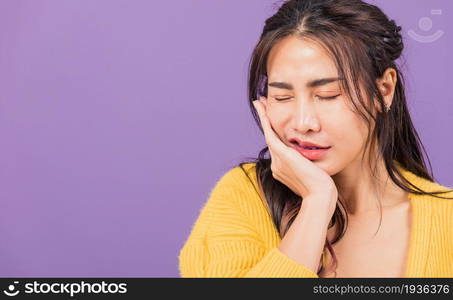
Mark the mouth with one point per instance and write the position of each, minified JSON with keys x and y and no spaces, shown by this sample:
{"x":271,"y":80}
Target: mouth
{"x":307,"y":145}
{"x":309,"y":151}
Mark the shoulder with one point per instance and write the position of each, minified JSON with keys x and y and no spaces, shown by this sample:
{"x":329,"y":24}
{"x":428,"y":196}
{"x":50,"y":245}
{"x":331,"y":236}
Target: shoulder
{"x":233,"y":209}
{"x":238,"y":176}
{"x":437,"y":203}
{"x":441,"y":207}
{"x":232,"y":191}
{"x":237,"y":186}
{"x":440,"y":202}
{"x":237,"y":194}
{"x":444,"y":193}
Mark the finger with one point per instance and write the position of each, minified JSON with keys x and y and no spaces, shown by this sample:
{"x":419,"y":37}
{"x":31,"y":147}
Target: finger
{"x":263,"y":120}
{"x":258,"y":108}
{"x":270,"y":135}
{"x":267,"y":129}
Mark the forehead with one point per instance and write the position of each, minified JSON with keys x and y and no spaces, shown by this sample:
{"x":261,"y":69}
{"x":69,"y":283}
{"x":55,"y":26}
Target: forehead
{"x":299,"y":60}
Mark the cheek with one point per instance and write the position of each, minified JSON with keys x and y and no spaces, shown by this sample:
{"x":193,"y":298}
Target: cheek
{"x":348,"y":133}
{"x":278,"y":116}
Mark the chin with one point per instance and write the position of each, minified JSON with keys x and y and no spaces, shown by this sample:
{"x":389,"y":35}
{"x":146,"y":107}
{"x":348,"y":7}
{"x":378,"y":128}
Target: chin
{"x":326,"y":167}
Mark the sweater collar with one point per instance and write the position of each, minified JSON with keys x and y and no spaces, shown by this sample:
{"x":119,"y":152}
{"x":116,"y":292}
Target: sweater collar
{"x":421,"y":225}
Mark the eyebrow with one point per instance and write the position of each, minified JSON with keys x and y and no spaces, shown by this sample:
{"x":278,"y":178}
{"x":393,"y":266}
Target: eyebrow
{"x":310,"y":84}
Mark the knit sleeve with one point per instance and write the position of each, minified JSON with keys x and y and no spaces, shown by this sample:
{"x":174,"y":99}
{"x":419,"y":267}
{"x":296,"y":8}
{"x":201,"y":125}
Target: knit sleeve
{"x":225,"y":243}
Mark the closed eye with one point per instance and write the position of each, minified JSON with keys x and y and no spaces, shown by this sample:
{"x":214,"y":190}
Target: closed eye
{"x":328,"y":98}
{"x":322,"y":98}
{"x":281,"y":99}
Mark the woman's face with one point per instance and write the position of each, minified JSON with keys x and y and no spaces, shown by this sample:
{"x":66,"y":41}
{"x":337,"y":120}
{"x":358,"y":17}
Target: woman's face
{"x":317,"y":112}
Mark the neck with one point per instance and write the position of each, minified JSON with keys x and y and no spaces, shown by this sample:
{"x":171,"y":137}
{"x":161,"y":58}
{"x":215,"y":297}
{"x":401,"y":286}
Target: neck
{"x":362,"y":192}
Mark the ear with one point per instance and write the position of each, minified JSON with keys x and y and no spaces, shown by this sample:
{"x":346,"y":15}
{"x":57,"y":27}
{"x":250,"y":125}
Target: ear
{"x":386,"y":85}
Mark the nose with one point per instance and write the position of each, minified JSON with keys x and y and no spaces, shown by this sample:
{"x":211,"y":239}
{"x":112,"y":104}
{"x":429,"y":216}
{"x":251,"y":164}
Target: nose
{"x":306,"y":116}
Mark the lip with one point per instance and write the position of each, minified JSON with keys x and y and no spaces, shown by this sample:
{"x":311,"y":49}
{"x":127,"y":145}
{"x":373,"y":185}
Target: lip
{"x":305,"y":144}
{"x":308,"y":153}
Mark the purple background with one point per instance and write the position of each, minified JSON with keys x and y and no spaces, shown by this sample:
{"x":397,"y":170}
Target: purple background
{"x":118,"y":117}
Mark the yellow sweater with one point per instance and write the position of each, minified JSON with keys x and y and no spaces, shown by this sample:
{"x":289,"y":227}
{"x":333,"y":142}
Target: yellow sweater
{"x":234,"y":235}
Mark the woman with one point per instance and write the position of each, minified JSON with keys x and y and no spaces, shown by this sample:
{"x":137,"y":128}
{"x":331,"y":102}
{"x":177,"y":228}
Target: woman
{"x":345,"y":191}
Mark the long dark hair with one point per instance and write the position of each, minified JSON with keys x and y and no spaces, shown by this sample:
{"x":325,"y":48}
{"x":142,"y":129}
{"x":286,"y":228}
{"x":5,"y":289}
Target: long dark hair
{"x":363,"y":42}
